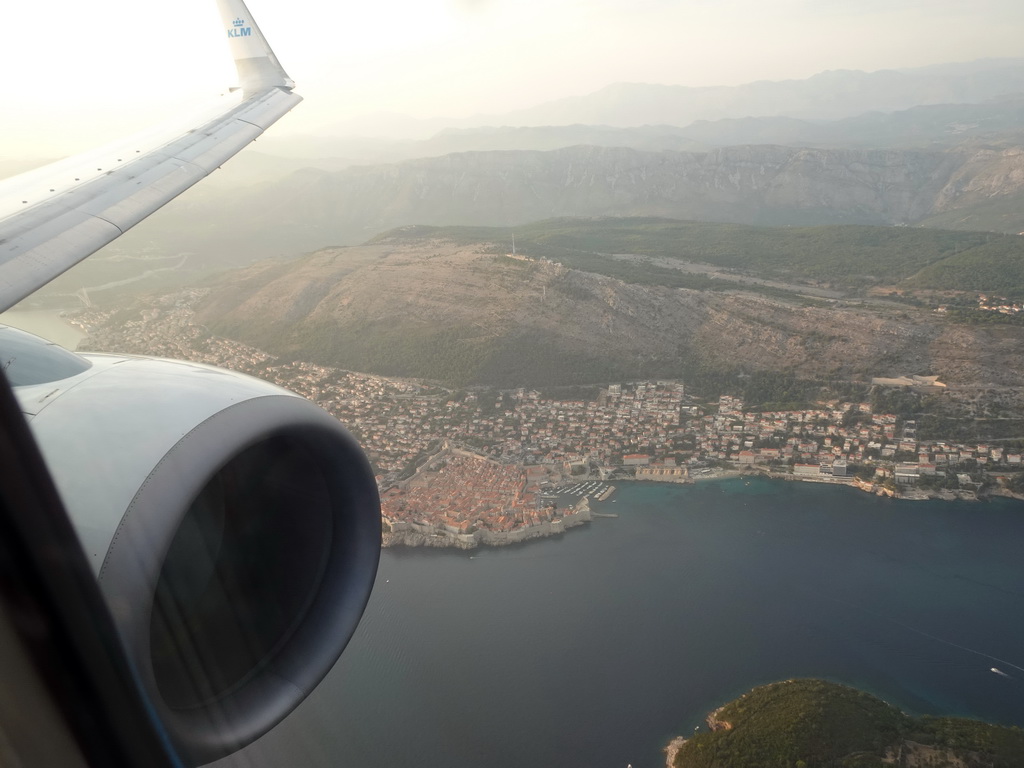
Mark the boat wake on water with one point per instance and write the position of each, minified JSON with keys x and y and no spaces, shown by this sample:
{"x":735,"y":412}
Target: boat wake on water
{"x":963,"y":648}
{"x":930,"y":636}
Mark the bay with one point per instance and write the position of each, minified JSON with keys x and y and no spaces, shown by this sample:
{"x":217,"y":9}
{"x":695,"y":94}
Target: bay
{"x":593,"y":649}
{"x":47,"y":323}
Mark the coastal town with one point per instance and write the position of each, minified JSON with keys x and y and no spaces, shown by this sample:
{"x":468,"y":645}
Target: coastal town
{"x":482,"y":466}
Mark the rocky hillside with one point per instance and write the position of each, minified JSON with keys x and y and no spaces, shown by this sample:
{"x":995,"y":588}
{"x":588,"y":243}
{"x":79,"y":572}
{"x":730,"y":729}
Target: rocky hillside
{"x":750,"y":184}
{"x":971,"y":186}
{"x":466,"y":314}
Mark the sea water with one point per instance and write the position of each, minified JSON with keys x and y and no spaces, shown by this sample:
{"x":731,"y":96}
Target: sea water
{"x":46,"y":323}
{"x":594,"y":648}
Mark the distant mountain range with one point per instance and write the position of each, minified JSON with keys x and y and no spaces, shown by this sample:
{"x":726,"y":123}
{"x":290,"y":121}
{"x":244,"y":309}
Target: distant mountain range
{"x":831,"y":95}
{"x":999,"y":122}
{"x":938,"y":146}
{"x":962,"y":188}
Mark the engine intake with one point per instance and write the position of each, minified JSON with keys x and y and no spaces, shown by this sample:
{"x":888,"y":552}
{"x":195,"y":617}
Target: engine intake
{"x":234,"y":528}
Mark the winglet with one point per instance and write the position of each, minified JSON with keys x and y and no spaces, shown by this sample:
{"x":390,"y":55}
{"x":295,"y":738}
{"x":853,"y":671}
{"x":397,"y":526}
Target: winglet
{"x":258,"y":67}
{"x":95,"y":198}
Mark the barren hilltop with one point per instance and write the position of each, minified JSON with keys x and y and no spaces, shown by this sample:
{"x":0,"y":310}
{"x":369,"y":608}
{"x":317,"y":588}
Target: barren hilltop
{"x":428,"y":305}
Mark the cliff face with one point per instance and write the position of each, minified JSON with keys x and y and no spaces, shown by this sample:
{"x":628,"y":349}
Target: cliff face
{"x":748,"y":184}
{"x":983,"y":175}
{"x":960,"y":188}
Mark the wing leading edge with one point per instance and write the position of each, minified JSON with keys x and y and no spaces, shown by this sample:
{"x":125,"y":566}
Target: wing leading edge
{"x":58,"y":225}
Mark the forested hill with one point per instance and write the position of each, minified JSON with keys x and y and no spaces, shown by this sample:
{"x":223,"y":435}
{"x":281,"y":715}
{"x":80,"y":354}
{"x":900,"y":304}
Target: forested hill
{"x":816,"y":724}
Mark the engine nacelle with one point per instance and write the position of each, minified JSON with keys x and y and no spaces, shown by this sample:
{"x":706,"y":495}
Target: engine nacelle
{"x":233,"y":526}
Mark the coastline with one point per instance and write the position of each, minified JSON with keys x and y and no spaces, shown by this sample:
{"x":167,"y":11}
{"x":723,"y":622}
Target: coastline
{"x":716,"y":474}
{"x":51,"y":324}
{"x":425,"y":535}
{"x":801,"y":708}
{"x":905,"y":493}
{"x":672,"y":750}
{"x":714,"y":723}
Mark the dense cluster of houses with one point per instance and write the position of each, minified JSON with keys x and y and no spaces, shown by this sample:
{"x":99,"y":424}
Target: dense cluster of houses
{"x":465,"y":499}
{"x":653,"y":429}
{"x":461,"y":493}
{"x":828,"y":441}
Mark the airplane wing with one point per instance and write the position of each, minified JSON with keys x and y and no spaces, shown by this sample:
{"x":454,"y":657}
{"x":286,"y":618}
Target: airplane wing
{"x":53,"y":218}
{"x":232,"y":527}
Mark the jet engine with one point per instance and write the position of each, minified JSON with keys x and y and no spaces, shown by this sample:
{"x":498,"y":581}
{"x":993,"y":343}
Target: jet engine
{"x":233,"y":527}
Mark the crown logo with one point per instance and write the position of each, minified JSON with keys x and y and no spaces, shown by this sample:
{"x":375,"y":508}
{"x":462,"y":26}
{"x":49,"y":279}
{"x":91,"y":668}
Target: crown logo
{"x":238,"y":23}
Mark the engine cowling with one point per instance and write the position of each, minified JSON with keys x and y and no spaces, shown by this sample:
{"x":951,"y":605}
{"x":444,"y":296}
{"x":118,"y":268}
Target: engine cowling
{"x":233,"y":526}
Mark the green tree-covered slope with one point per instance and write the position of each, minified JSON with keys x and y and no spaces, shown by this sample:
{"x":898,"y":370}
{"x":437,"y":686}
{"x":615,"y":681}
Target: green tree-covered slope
{"x":817,"y":724}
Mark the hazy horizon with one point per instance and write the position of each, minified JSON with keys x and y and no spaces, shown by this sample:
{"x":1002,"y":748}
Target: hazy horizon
{"x":82,"y":75}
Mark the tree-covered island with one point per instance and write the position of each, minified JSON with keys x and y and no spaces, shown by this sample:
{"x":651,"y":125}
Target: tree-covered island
{"x":817,"y":724}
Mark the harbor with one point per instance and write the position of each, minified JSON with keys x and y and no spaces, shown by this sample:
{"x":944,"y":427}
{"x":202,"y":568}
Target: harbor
{"x":572,"y":493}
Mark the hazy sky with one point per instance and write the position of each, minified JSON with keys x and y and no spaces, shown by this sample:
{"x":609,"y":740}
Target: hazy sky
{"x":75,"y":71}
